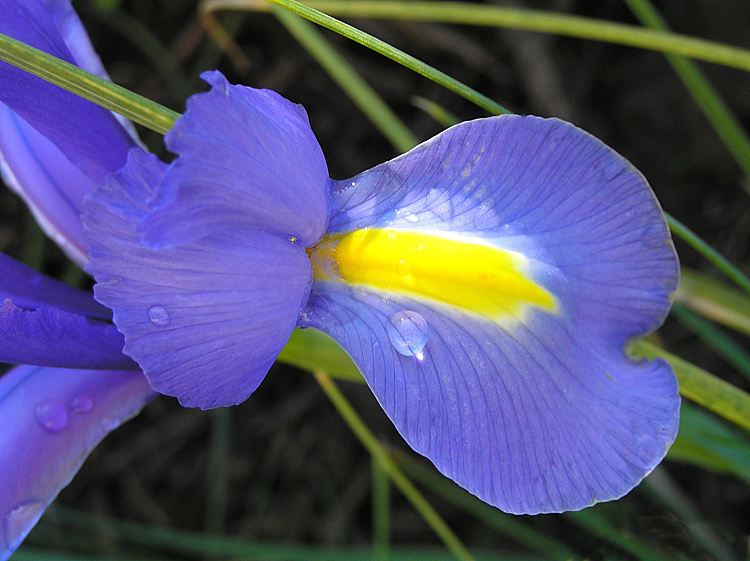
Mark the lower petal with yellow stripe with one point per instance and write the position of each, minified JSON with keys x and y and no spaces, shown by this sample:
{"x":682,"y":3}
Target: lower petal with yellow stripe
{"x":488,"y":301}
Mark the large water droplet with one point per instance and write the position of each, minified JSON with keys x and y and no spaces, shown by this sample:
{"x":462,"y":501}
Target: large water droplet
{"x":19,"y":522}
{"x":408,"y":333}
{"x":81,"y":404}
{"x":412,"y":218}
{"x":51,"y":415}
{"x":159,"y":316}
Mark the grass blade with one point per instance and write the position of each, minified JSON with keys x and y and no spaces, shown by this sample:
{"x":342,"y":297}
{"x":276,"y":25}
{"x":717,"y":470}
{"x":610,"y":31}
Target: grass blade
{"x":373,"y":43}
{"x":425,"y":509}
{"x":704,"y":388}
{"x":348,"y":80}
{"x":715,"y":339}
{"x":98,"y":90}
{"x":714,"y":300}
{"x":514,"y":18}
{"x":718,"y":260}
{"x":723,"y":121}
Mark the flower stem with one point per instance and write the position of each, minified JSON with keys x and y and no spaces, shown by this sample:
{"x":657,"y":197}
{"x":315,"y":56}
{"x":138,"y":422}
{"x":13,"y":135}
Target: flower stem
{"x":97,"y":90}
{"x":368,"y":440}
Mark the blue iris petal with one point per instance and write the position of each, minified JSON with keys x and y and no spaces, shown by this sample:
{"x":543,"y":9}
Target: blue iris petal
{"x":582,"y":215}
{"x":203,"y":261}
{"x":248,"y":159}
{"x":30,"y":289}
{"x":45,"y":322}
{"x":52,"y":418}
{"x":49,"y":336}
{"x":65,"y":146}
{"x":531,"y":405}
{"x":531,"y":419}
{"x":88,"y":135}
{"x":205,"y":319}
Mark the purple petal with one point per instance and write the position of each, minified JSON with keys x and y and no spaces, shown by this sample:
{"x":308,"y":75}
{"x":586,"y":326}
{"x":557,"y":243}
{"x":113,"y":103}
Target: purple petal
{"x":583,"y":216}
{"x":77,"y":40}
{"x":248,"y":159}
{"x":89,"y":136}
{"x":34,"y":166}
{"x":52,"y":418}
{"x":30,"y":289}
{"x":47,"y":323}
{"x":48,"y":336}
{"x":52,"y":186}
{"x":531,"y":419}
{"x":74,"y":36}
{"x":486,"y":283}
{"x":205,"y":320}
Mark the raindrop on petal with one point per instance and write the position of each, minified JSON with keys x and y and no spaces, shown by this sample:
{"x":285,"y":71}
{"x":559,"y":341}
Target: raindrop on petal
{"x":19,"y":522}
{"x":412,"y":218}
{"x":81,"y":404}
{"x":111,"y":423}
{"x":159,"y":316}
{"x":408,"y":333}
{"x":51,"y":415}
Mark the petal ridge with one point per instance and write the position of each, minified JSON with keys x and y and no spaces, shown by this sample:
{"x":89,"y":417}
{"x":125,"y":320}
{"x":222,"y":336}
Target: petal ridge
{"x":247,"y":159}
{"x":541,"y":187}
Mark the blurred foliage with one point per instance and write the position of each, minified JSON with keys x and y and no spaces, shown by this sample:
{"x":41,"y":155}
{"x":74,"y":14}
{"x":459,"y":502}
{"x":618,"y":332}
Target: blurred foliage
{"x":280,"y":477}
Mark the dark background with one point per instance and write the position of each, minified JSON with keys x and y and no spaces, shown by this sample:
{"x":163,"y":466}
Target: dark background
{"x":295,"y":473}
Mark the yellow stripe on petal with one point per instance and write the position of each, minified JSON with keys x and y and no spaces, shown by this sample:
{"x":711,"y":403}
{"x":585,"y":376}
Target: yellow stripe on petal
{"x":460,"y":272}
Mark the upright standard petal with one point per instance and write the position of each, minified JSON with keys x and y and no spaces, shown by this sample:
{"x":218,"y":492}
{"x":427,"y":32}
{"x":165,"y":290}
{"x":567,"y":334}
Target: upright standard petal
{"x":248,"y":159}
{"x":52,"y":418}
{"x":204,"y":319}
{"x":485,"y":283}
{"x":79,"y":143}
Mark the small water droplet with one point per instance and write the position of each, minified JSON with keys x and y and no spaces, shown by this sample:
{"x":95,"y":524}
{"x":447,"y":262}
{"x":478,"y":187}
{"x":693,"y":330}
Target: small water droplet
{"x":412,"y":218}
{"x":404,"y":267}
{"x":51,"y":415}
{"x":159,"y":316}
{"x":111,"y":423}
{"x":408,"y":333}
{"x":19,"y":522}
{"x":81,"y":404}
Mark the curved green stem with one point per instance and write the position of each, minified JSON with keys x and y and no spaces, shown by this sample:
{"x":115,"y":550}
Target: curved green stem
{"x":513,"y":18}
{"x":719,"y":261}
{"x":723,"y":121}
{"x":98,"y":90}
{"x":393,"y":53}
{"x":368,"y":440}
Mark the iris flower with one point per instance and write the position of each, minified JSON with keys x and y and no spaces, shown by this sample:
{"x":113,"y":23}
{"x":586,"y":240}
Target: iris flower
{"x":485,"y":283}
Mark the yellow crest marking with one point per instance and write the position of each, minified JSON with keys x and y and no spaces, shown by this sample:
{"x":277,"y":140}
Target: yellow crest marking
{"x":472,"y":276}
